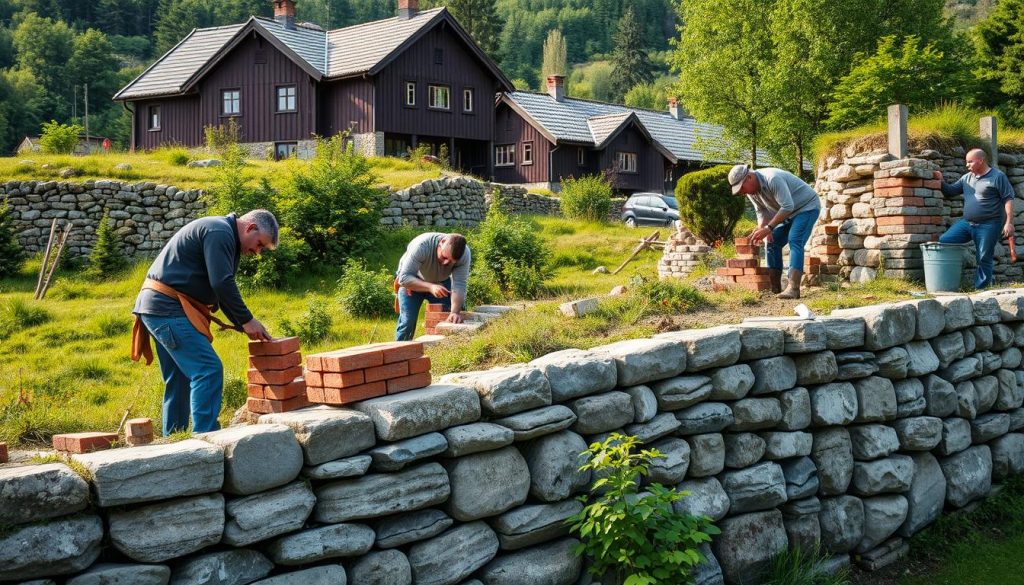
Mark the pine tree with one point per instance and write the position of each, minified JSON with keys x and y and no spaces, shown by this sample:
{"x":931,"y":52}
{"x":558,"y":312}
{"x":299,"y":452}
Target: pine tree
{"x":106,"y":258}
{"x":632,"y":65}
{"x":555,"y":57}
{"x":481,"y":21}
{"x":11,"y":253}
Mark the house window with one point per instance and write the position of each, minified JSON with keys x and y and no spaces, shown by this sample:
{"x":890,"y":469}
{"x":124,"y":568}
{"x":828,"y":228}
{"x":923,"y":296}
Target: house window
{"x":231,"y":100}
{"x":439,"y":97}
{"x":154,"y":117}
{"x":410,"y":93}
{"x":505,"y":155}
{"x":438,"y":56}
{"x":527,"y":153}
{"x":284,"y":150}
{"x":668,"y":175}
{"x":467,"y":99}
{"x":581,"y":156}
{"x":626,"y":162}
{"x":286,"y":98}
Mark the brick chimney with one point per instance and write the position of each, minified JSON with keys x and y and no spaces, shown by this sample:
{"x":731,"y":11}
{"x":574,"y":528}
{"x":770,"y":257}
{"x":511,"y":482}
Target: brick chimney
{"x":284,"y":12}
{"x":408,"y":9}
{"x":556,"y":87}
{"x":673,"y":108}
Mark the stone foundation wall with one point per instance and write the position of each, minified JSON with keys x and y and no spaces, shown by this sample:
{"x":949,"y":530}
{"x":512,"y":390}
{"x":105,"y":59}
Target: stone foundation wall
{"x":854,"y":430}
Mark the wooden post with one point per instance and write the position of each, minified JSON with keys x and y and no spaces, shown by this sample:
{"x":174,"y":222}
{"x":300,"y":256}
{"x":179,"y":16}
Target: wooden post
{"x":990,"y":139}
{"x":898,"y":130}
{"x":46,"y":259}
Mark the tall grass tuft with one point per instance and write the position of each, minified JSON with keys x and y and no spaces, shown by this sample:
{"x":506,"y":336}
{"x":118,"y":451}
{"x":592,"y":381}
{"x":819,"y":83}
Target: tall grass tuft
{"x":22,"y":315}
{"x":801,"y":567}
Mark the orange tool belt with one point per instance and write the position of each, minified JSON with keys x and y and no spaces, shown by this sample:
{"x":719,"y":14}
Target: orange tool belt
{"x":199,"y":315}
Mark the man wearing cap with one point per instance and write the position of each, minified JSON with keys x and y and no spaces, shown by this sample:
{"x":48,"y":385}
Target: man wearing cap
{"x":434,"y":268}
{"x":988,"y":211}
{"x":786,"y":210}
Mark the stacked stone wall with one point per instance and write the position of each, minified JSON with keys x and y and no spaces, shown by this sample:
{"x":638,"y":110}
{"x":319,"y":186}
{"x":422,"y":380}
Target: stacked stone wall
{"x":447,"y":201}
{"x":854,"y":431}
{"x":683,"y":252}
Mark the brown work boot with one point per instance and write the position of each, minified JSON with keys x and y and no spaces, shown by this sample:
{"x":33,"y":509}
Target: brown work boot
{"x":775,"y":279}
{"x":793,"y":289}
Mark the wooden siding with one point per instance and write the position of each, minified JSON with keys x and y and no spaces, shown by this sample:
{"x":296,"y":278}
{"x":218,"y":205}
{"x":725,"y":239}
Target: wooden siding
{"x":346,"y":104}
{"x":178,"y":125}
{"x":458,"y":71}
{"x":511,"y":128}
{"x":566,"y":162}
{"x":650,"y":163}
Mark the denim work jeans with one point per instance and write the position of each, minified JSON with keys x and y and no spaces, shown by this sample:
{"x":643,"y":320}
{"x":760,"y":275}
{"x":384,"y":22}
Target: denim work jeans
{"x":795,"y":231}
{"x":985,"y":235}
{"x":409,"y":309}
{"x":193,"y":374}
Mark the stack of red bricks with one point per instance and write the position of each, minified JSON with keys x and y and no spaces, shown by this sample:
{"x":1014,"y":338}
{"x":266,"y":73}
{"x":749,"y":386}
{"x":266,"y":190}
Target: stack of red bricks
{"x":83,"y":442}
{"x":366,"y":371}
{"x":138,"y":431}
{"x":435,"y":314}
{"x":275,"y":376}
{"x":910,"y":203}
{"x":744,"y":270}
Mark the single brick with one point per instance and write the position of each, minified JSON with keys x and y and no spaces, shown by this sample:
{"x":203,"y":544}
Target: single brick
{"x":255,"y":391}
{"x":83,"y":442}
{"x":400,"y":351}
{"x":435,"y":307}
{"x":745,"y":250}
{"x":297,"y":387}
{"x":275,"y":362}
{"x":831,"y":230}
{"x":139,"y":441}
{"x":408,"y":383}
{"x":758,"y":270}
{"x":274,"y":377}
{"x":138,"y":427}
{"x":386,"y":372}
{"x":4,"y":456}
{"x":731,"y":271}
{"x":419,"y":365}
{"x":753,"y":279}
{"x":345,"y":360}
{"x":281,"y":346}
{"x":264,"y":406}
{"x":742,"y":241}
{"x":335,"y":379}
{"x":738,"y":263}
{"x":339,"y":396}
{"x":315,"y":394}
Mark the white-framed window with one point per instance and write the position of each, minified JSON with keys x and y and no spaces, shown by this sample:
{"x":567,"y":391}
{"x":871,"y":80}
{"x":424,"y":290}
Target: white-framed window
{"x":154,"y":117}
{"x":467,"y":99}
{"x":581,"y":156}
{"x":286,"y":98}
{"x":410,"y":93}
{"x":527,"y":153}
{"x":668,"y":175}
{"x":626,"y":162}
{"x":231,"y":102}
{"x":505,"y":155}
{"x":284,"y":150}
{"x":439,"y":97}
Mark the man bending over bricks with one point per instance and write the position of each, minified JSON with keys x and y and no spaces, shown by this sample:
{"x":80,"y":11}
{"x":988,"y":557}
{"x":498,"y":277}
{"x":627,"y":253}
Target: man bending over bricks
{"x":786,"y":210}
{"x":193,"y":276}
{"x":988,"y":211}
{"x":434,"y":268}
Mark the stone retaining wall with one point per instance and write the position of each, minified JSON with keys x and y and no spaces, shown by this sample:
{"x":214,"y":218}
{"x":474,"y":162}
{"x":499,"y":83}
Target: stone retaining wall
{"x":447,"y":201}
{"x":854,"y":430}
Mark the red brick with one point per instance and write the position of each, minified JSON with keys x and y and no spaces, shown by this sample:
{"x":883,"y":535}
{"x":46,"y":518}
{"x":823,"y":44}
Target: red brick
{"x":285,"y":391}
{"x":436,"y":318}
{"x":315,"y":394}
{"x":435,"y":307}
{"x":400,"y":351}
{"x":741,"y":263}
{"x":335,"y":379}
{"x":827,"y":250}
{"x":387,"y":371}
{"x":355,"y":393}
{"x":138,"y":427}
{"x":419,"y":365}
{"x":264,"y":406}
{"x":255,"y":391}
{"x":281,"y":346}
{"x":730,"y":271}
{"x":895,"y":192}
{"x":3,"y":453}
{"x":831,"y":230}
{"x":894,"y":182}
{"x":430,"y":330}
{"x":745,"y":250}
{"x":813,"y":260}
{"x":932,"y":184}
{"x":408,"y":383}
{"x":754,"y":279}
{"x":139,"y":441}
{"x":759,"y":270}
{"x":345,"y":360}
{"x":274,"y":377}
{"x":83,"y":442}
{"x":897,"y":220}
{"x":742,"y":241}
{"x":275,"y":362}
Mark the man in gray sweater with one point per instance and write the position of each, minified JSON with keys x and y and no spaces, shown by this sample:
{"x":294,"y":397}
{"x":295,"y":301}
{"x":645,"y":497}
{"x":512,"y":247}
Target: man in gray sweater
{"x":786,"y":209}
{"x":434,"y":268}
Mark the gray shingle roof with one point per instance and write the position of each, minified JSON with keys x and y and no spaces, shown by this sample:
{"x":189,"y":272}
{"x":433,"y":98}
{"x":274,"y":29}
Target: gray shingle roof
{"x":602,"y":127}
{"x":357,"y":49}
{"x":308,"y":43}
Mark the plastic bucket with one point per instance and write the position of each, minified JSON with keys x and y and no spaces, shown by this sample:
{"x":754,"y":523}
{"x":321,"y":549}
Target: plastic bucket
{"x":943,"y":266}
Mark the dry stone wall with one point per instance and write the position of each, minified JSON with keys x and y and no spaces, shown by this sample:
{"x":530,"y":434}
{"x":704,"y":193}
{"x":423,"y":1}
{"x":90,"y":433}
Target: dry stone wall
{"x":682,"y":254}
{"x":854,"y":431}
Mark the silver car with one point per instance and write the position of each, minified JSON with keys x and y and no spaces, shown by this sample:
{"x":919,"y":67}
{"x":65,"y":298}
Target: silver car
{"x":650,"y":209}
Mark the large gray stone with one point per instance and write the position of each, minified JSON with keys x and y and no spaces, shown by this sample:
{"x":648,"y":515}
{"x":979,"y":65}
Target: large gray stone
{"x":926,"y":495}
{"x":395,"y":456}
{"x":801,"y":478}
{"x":743,"y":450}
{"x":602,"y":412}
{"x":882,"y":476}
{"x":782,"y":445}
{"x":842,"y":523}
{"x":322,"y":575}
{"x":58,"y":547}
{"x":956,"y":436}
{"x":1011,"y":358}
{"x":339,"y":469}
{"x":158,"y":532}
{"x":983,"y":337}
{"x":931,"y":318}
{"x":796,"y":409}
{"x":707,"y":454}
{"x":876,"y":399}
{"x":883,"y":515}
{"x":833,"y":404}
{"x":536,"y":423}
{"x":264,"y":515}
{"x":656,"y":428}
{"x":843,"y":333}
{"x":816,"y":368}
{"x":554,"y":462}
{"x":921,"y":358}
{"x":731,"y":383}
{"x":961,"y":369}
{"x":257,"y":457}
{"x":385,"y":567}
{"x":799,"y":335}
{"x":802,"y":526}
{"x":327,"y":433}
{"x":1011,"y":303}
{"x":154,"y":472}
{"x":885,"y":325}
{"x":920,"y":433}
{"x":747,"y":545}
{"x":1002,"y":337}
{"x":551,"y":564}
{"x":681,"y":391}
{"x":119,"y":574}
{"x":705,"y":497}
{"x":707,"y":348}
{"x":968,"y":475}
{"x":642,"y":360}
{"x":940,"y":396}
{"x":572,"y":373}
{"x":949,"y":347}
{"x":706,"y":417}
{"x":645,"y":403}
{"x":909,"y":397}
{"x":38,"y":492}
{"x":987,"y":390}
{"x":989,"y":426}
{"x":505,"y":391}
{"x":759,"y":342}
{"x":317,"y":544}
{"x":1007,"y":456}
{"x":1011,"y":394}
{"x":773,"y":375}
{"x":708,"y":571}
{"x":487,"y":484}
{"x":893,"y":363}
{"x":475,"y":438}
{"x":832,"y":454}
{"x":755,"y":413}
{"x":407,"y":414}
{"x":760,"y":487}
{"x":966,"y":399}
{"x":1016,"y":419}
{"x":986,"y":310}
{"x":454,"y":555}
{"x":380,"y":494}
{"x":671,"y":467}
{"x":402,"y":529}
{"x":231,"y":567}
{"x":959,"y":311}
{"x":873,"y":441}
{"x":533,"y":524}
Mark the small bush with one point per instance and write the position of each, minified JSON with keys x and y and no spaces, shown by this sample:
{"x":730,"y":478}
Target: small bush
{"x":666,"y":296}
{"x":59,"y":138}
{"x":23,"y":315}
{"x":365,"y":293}
{"x":106,"y":258}
{"x":482,"y":290}
{"x":588,"y":198}
{"x":707,"y":206}
{"x":274,"y":268}
{"x":220,"y":137}
{"x":12,"y":255}
{"x":524,"y":281}
{"x":313,"y":326}
{"x":175,"y":156}
{"x":114,"y":325}
{"x":506,"y":244}
{"x":577,"y":258}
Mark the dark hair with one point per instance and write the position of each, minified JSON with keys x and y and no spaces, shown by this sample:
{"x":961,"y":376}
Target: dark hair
{"x":456,"y":244}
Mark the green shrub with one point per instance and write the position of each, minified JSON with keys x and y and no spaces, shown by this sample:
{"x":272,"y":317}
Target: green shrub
{"x":106,"y":258}
{"x":588,"y":198}
{"x":365,"y":293}
{"x":12,"y":255}
{"x":524,"y":281}
{"x":59,"y":138}
{"x":641,"y":539}
{"x":707,"y":206}
{"x":503,"y":244}
{"x":274,"y":268}
{"x":24,"y":315}
{"x":482,"y":289}
{"x":313,"y":326}
{"x":175,"y":156}
{"x":666,"y":296}
{"x":220,"y":137}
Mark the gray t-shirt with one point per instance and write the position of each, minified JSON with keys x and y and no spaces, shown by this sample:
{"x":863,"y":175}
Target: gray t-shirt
{"x":983,"y":196}
{"x":420,"y":261}
{"x":782,"y":190}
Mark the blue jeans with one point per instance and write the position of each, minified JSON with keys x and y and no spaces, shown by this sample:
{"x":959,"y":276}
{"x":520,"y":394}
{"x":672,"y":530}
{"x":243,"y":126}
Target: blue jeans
{"x":795,"y":231}
{"x":409,"y":309}
{"x":985,"y":235}
{"x":193,"y":374}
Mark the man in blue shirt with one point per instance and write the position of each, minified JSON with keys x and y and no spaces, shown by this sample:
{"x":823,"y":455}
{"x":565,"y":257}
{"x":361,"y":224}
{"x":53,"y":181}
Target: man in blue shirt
{"x":988,"y":211}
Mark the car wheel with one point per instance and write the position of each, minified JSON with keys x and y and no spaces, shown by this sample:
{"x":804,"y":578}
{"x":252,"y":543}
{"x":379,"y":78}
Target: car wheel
{"x":631,"y":222}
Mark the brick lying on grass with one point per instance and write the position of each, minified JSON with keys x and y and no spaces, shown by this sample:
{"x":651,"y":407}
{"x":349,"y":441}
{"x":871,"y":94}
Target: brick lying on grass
{"x":83,"y":442}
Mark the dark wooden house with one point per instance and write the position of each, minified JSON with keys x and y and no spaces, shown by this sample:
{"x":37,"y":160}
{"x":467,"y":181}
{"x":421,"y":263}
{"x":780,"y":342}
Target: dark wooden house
{"x":393,"y":84}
